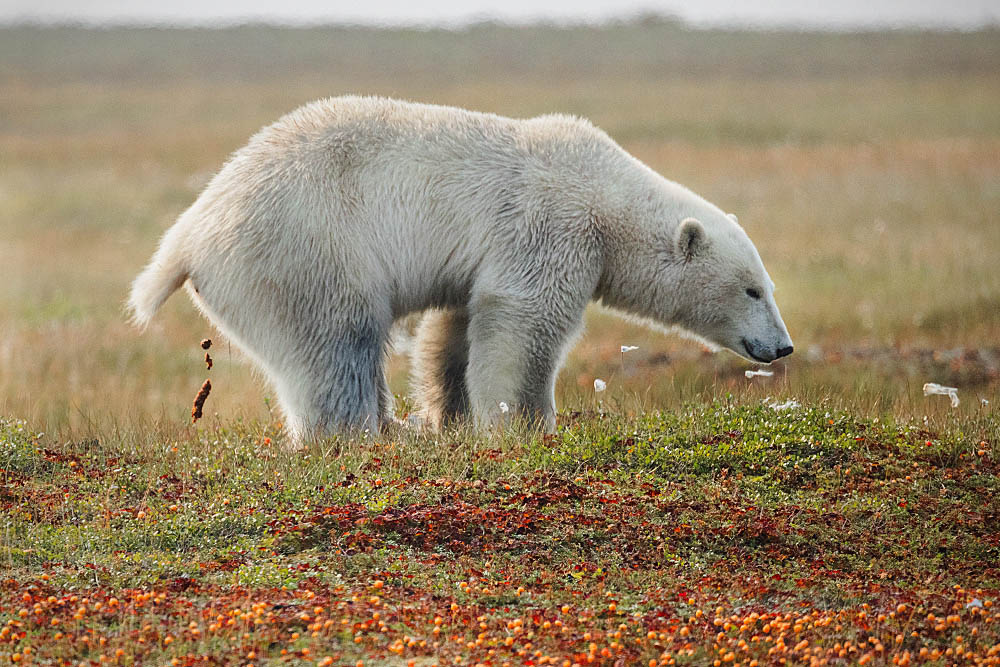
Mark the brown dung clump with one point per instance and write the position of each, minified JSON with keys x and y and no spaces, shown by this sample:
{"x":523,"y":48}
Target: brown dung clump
{"x":199,"y":401}
{"x":207,"y":343}
{"x":208,"y":361}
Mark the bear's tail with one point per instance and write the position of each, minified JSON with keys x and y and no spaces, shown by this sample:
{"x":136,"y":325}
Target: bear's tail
{"x":164,"y":274}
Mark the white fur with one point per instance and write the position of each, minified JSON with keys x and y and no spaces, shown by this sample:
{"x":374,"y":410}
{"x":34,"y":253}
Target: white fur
{"x":351,"y":212}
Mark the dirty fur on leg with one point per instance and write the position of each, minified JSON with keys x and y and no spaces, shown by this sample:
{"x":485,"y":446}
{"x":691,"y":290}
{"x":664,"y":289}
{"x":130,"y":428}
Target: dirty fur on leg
{"x":440,"y":360}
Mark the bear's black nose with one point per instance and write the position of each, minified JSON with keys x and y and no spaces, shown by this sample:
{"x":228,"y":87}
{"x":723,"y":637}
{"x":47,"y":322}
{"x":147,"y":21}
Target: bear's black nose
{"x":783,"y":352}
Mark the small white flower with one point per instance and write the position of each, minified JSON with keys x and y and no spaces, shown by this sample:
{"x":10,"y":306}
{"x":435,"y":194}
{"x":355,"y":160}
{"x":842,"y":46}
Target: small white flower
{"x":790,"y":404}
{"x":985,"y":401}
{"x":600,"y":385}
{"x":629,"y":348}
{"x":504,"y":407}
{"x":762,"y":373}
{"x":934,"y":388}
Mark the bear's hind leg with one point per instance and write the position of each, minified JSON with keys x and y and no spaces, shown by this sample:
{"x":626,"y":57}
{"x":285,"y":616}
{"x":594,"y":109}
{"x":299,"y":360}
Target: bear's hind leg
{"x":440,"y":359}
{"x":339,"y":384}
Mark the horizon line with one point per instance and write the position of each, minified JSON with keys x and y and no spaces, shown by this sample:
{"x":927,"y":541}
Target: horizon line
{"x":987,"y":23}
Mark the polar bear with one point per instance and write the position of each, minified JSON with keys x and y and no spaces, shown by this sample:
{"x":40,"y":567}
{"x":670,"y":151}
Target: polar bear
{"x":351,"y":212}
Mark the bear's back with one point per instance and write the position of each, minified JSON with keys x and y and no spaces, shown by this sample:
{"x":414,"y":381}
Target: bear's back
{"x":343,"y":133}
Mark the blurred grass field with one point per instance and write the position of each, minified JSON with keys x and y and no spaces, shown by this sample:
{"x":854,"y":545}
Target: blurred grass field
{"x":866,"y":167}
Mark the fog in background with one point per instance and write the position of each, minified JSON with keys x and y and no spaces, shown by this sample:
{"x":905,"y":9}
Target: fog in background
{"x":960,"y":14}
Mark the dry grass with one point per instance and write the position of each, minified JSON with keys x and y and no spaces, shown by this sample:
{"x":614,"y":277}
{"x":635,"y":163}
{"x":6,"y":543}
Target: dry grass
{"x":864,"y":167}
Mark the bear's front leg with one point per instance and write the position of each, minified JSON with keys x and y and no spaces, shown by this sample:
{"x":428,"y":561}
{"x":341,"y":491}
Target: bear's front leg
{"x":515,"y":349}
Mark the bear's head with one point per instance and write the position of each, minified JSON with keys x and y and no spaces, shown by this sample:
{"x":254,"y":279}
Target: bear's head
{"x":728,"y":298}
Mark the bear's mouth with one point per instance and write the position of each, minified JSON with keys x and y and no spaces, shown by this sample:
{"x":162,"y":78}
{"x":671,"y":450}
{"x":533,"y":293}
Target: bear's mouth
{"x":746,"y":346}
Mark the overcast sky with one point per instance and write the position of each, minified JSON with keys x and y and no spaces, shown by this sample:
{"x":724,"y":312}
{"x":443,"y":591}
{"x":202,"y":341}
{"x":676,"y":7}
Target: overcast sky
{"x":827,"y":13}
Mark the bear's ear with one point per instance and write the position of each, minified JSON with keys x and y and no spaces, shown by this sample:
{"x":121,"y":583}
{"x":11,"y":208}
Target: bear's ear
{"x":732,"y":216}
{"x":690,"y":239}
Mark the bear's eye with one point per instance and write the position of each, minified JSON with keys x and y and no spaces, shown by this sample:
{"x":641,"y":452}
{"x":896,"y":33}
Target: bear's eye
{"x":753,"y":293}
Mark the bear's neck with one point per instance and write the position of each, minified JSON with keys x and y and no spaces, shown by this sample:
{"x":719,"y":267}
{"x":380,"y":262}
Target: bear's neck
{"x":629,"y":284}
{"x":642,"y":272}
